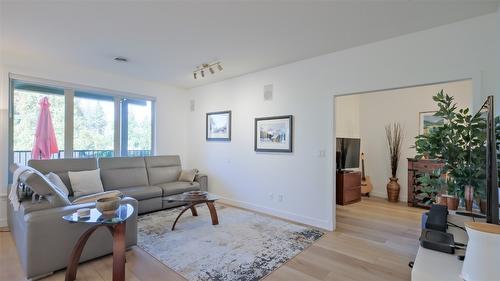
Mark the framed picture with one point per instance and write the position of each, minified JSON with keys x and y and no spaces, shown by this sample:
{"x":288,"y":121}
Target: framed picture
{"x":429,"y":121}
{"x":218,"y":126}
{"x":274,"y":134}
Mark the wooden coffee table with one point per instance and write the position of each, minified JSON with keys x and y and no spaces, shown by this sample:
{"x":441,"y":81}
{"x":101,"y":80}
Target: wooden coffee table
{"x":191,"y":203}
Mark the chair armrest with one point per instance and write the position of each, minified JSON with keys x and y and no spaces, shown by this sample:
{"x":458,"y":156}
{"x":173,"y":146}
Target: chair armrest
{"x":202,"y":179}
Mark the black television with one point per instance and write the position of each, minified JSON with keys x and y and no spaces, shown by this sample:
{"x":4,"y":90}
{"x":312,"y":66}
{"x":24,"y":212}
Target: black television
{"x":488,"y":172}
{"x":492,"y":185}
{"x":347,"y":153}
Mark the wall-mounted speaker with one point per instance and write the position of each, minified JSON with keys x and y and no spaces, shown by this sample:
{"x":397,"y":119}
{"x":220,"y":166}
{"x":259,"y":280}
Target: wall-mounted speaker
{"x":191,"y":105}
{"x":268,"y":92}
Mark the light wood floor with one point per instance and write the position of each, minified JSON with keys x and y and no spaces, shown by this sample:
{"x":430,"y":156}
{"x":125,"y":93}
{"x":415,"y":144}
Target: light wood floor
{"x":374,"y":240}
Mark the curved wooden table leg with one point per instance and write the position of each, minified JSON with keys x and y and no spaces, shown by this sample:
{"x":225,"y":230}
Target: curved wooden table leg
{"x":182,"y":212}
{"x":213,"y":213}
{"x":119,"y":251}
{"x":193,"y":211}
{"x":77,"y":252}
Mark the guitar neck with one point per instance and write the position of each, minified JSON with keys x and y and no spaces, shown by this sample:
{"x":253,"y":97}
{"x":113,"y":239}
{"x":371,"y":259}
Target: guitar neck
{"x":363,"y":169}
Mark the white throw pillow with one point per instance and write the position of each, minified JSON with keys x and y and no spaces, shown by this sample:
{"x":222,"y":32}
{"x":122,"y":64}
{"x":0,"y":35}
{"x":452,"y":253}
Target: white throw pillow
{"x":85,"y":182}
{"x":56,"y":180}
{"x":188,"y":175}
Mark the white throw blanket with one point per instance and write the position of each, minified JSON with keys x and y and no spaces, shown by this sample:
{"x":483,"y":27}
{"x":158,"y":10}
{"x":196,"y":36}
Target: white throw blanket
{"x":13,"y":195}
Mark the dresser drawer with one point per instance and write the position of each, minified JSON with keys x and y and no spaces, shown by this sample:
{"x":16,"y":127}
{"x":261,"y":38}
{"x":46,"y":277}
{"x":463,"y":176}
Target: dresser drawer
{"x":352,"y":194}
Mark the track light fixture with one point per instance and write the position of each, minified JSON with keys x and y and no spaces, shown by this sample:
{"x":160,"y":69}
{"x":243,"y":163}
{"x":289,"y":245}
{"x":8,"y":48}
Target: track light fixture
{"x":207,"y":66}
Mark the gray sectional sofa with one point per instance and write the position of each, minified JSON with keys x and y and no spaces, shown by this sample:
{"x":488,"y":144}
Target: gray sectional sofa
{"x":44,"y":240}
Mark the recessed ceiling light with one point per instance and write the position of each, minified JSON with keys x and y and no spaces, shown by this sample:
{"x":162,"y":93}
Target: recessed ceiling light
{"x":120,"y":59}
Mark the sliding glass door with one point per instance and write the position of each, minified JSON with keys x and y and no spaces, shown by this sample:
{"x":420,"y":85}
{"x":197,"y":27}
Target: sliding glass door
{"x":93,"y":125}
{"x":25,"y":111}
{"x":87,"y":123}
{"x":136,"y":127}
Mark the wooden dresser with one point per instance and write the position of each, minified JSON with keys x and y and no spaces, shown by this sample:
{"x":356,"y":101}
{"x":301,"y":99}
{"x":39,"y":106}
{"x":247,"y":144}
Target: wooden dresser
{"x":348,"y":187}
{"x":416,"y":167}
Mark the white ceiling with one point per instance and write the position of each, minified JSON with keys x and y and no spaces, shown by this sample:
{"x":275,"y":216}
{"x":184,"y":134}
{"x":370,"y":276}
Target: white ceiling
{"x":165,"y":41}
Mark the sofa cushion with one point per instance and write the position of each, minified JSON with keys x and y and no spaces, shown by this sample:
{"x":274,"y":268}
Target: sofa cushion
{"x":121,"y":172}
{"x":86,"y":182}
{"x":178,"y":187}
{"x":42,"y":186}
{"x":56,"y":180}
{"x":61,"y":167}
{"x":27,"y":206}
{"x":142,"y":192}
{"x":163,"y":169}
{"x":94,"y":197}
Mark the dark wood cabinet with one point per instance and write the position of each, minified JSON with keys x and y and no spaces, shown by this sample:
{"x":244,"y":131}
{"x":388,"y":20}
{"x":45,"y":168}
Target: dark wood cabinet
{"x":416,"y":167}
{"x":348,"y":187}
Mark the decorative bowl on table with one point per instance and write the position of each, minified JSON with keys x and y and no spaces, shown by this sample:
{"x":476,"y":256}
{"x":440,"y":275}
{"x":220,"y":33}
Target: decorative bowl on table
{"x":195,"y":194}
{"x":108,"y":206}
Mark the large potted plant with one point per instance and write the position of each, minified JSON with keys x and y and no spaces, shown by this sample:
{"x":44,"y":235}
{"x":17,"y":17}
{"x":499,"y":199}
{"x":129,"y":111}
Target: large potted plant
{"x":394,"y":134}
{"x":459,"y":142}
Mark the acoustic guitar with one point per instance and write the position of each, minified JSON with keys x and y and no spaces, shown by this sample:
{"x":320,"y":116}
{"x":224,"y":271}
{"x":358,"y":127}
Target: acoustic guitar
{"x":366,"y":183}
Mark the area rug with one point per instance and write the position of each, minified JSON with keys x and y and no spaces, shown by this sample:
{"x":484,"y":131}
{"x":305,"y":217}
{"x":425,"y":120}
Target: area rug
{"x":245,"y":246}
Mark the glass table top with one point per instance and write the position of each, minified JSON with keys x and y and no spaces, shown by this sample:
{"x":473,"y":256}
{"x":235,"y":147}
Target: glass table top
{"x":185,"y":198}
{"x":122,"y":214}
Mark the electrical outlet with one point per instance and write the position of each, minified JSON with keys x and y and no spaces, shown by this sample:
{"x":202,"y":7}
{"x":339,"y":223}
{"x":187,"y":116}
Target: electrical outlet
{"x":280,"y":198}
{"x":271,"y":196}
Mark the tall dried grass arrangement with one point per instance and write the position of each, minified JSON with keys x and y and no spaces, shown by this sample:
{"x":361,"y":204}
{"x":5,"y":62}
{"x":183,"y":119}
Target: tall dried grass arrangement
{"x":395,"y":135}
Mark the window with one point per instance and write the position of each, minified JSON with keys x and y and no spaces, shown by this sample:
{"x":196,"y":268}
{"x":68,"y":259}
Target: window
{"x":25,"y":110}
{"x":136,"y":137}
{"x":87,"y":123}
{"x":93,"y":125}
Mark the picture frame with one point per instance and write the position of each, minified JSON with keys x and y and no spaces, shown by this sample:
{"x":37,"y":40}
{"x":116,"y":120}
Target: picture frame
{"x":427,"y":120}
{"x":274,"y":134}
{"x":218,"y":126}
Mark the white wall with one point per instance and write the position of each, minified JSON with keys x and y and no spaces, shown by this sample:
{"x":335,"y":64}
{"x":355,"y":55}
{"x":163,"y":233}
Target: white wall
{"x":377,"y":109}
{"x":347,"y":116}
{"x":171,"y":114}
{"x":305,"y":89}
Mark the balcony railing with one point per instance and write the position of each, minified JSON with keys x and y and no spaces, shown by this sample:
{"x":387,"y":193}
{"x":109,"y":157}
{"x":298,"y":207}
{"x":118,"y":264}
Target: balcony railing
{"x":23,"y":156}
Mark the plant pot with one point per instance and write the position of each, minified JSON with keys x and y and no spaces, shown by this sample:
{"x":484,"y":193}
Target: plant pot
{"x":469,"y":197}
{"x":452,"y":202}
{"x":482,"y":206}
{"x":441,"y":200}
{"x":393,"y":190}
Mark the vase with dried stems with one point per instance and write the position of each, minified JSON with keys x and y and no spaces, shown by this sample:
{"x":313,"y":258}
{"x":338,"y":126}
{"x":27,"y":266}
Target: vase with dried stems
{"x":395,"y":134}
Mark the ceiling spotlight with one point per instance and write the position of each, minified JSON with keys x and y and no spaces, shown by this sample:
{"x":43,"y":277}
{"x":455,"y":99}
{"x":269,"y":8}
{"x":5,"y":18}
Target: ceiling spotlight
{"x":120,"y":59}
{"x":208,"y":67}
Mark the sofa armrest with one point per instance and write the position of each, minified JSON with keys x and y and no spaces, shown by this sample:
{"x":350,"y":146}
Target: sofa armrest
{"x":59,"y":212}
{"x":202,"y":179}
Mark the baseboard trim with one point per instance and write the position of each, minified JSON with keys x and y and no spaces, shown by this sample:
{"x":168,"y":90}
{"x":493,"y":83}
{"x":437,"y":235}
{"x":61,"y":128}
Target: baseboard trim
{"x":384,"y":196}
{"x":3,"y":223}
{"x":323,"y":224}
{"x":3,"y":213}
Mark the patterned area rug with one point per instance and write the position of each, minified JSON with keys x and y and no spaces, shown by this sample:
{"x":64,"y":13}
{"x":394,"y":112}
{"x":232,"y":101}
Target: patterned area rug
{"x":245,"y":246}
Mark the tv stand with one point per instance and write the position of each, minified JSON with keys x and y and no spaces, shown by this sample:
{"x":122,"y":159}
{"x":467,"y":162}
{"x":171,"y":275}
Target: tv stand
{"x":348,"y":187}
{"x":345,"y":171}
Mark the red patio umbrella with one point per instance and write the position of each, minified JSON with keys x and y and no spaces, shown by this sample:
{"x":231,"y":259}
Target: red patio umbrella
{"x":45,"y":137}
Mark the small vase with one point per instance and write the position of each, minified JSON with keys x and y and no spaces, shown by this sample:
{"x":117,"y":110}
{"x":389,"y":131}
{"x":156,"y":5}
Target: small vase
{"x":393,"y":190}
{"x":469,"y":197}
{"x":482,"y":206}
{"x":452,"y":202}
